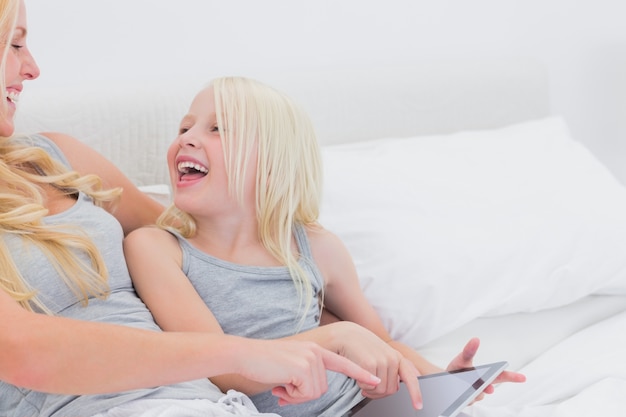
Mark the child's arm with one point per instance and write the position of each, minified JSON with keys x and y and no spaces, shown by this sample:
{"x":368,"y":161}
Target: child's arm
{"x":343,"y":295}
{"x":344,"y":298}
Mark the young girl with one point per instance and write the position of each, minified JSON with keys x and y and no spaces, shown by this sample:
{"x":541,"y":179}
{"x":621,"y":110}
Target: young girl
{"x":242,"y":238}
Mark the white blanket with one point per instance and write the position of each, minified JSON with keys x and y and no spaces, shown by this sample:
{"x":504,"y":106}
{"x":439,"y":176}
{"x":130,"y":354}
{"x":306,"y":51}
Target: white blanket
{"x":584,"y":375}
{"x":232,"y":404}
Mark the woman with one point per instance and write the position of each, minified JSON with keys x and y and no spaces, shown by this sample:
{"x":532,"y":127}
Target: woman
{"x":61,"y":260}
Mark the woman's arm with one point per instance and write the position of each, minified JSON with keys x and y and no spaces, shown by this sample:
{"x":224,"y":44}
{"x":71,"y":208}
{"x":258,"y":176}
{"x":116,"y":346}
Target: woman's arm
{"x":60,"y":355}
{"x":135,"y":209}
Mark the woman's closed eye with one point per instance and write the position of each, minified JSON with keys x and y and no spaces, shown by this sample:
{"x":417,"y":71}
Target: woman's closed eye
{"x":19,"y":40}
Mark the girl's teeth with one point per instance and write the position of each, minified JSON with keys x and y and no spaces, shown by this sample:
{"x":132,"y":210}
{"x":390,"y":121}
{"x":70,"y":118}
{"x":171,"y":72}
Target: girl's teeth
{"x":185,"y":166}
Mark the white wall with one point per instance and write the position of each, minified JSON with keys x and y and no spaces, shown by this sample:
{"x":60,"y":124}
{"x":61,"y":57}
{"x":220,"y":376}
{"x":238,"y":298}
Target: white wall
{"x":583,"y":44}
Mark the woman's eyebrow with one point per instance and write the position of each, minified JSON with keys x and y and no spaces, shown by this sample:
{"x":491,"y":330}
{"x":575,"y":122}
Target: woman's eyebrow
{"x":20,"y":32}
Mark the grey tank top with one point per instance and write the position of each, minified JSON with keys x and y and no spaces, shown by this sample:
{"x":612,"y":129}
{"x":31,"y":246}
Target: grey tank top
{"x":263,"y":303}
{"x":122,"y":307}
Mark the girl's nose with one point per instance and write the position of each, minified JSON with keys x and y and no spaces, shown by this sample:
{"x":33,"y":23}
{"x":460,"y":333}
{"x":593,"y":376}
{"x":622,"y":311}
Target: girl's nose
{"x":188,"y":139}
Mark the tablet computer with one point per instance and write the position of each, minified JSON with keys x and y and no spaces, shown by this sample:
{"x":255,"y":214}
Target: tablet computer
{"x":444,"y":394}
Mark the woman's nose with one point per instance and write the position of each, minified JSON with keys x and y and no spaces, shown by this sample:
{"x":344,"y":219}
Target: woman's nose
{"x":30,"y":69}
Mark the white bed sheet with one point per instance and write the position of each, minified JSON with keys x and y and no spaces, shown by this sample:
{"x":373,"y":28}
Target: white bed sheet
{"x":574,"y":359}
{"x":582,"y":376}
{"x":521,"y":338}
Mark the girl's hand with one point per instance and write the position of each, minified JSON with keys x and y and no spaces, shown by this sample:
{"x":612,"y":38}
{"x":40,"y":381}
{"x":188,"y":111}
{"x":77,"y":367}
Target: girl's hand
{"x":465,"y":359}
{"x":378,"y":357}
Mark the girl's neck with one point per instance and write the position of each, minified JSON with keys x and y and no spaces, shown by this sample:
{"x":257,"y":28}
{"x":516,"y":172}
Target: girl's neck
{"x":236,"y":242}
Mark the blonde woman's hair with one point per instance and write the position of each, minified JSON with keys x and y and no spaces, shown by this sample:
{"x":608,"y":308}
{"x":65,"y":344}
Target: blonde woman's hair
{"x":252,"y":116}
{"x":25,"y":173}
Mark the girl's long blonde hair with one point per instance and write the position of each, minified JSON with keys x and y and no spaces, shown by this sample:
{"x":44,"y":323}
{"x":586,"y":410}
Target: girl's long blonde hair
{"x":253,"y":116}
{"x":25,"y":173}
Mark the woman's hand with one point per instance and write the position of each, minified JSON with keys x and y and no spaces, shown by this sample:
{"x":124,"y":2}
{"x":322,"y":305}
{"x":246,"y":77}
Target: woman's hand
{"x":298,"y":367}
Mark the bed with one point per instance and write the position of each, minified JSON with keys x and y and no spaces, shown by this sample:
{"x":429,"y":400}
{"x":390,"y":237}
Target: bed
{"x":468,"y":208}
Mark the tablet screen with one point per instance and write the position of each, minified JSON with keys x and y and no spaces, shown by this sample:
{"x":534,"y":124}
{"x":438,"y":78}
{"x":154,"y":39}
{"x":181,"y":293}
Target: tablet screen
{"x":444,"y":394}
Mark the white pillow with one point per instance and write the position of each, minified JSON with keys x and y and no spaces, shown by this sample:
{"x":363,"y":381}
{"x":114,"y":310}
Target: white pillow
{"x":444,"y":229}
{"x":159,"y":192}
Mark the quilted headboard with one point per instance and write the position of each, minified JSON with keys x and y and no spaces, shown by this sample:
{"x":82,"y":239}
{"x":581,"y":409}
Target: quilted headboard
{"x":133,"y":121}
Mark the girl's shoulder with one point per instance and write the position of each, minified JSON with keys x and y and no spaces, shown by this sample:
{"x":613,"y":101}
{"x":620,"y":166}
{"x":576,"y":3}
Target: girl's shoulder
{"x":327,"y":248}
{"x":150,"y":237}
{"x":319,"y":235}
